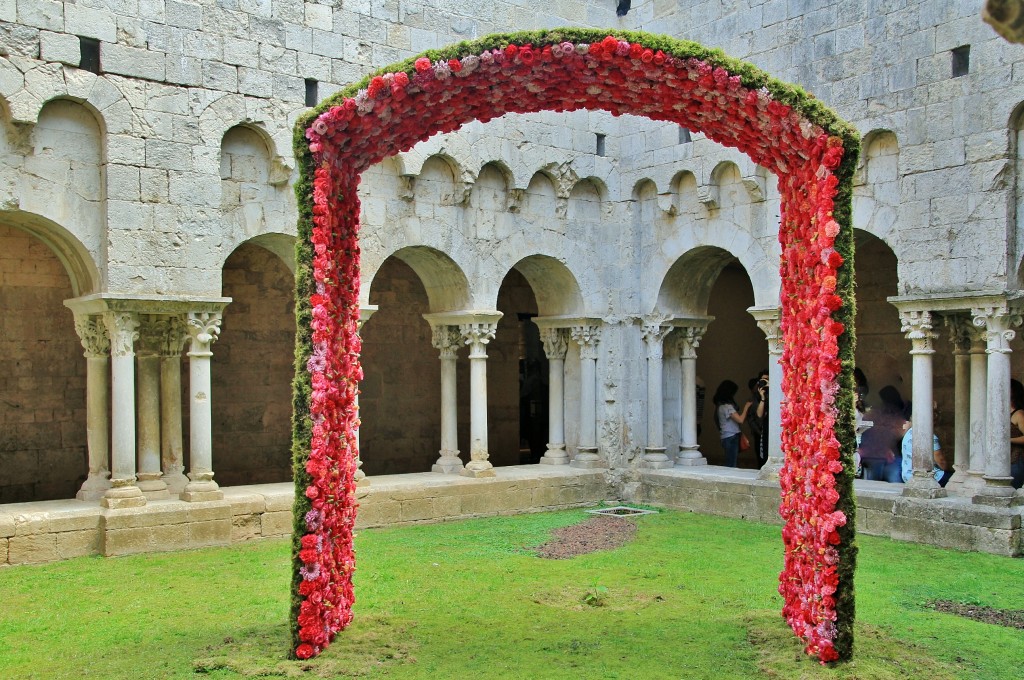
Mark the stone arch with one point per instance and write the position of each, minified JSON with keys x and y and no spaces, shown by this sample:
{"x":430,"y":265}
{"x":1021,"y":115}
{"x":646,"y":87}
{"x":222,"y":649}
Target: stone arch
{"x":684,"y":192}
{"x":876,"y":192}
{"x":443,"y":279}
{"x":555,"y":287}
{"x":230,"y":111}
{"x":490,"y":199}
{"x":686,"y":286}
{"x":881,"y":347}
{"x":586,"y":200}
{"x":253,"y":183}
{"x":437,"y":182}
{"x":726,"y":185}
{"x":541,"y":196}
{"x":78,"y":262}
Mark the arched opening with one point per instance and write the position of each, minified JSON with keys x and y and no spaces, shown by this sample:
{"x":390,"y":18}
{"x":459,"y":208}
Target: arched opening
{"x":43,"y":452}
{"x":251,"y":382}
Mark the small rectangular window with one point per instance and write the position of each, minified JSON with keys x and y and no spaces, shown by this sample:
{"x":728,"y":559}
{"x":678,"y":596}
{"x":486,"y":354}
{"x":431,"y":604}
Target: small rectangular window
{"x":312,"y":99}
{"x":89,"y":51}
{"x":600,"y":144}
{"x":961,"y":60}
{"x":684,"y":135}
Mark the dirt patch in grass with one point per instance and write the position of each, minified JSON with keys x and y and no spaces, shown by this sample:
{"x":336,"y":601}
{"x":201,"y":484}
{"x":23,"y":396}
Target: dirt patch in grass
{"x":1011,"y":618}
{"x":597,"y":533}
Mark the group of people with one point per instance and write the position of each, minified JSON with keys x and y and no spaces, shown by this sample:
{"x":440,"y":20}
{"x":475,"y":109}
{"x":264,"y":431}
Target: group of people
{"x":884,"y":449}
{"x":729,"y":418}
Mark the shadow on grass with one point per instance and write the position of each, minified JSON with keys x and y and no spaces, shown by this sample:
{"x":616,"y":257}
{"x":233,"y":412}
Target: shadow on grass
{"x":877,"y":655}
{"x":369,"y":644}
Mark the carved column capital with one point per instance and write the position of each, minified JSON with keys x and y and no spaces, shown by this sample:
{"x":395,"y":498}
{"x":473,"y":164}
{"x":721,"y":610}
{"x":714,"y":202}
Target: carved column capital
{"x":917,"y":327}
{"x":772,"y":329}
{"x":172,"y":334}
{"x":654,"y":336}
{"x":123,"y":329}
{"x":556,"y":342}
{"x":688,"y":340}
{"x":998,"y":323}
{"x":447,"y":339}
{"x":204,"y":329}
{"x":962,"y":332}
{"x":477,"y":334}
{"x":587,"y":338}
{"x":92,"y":331}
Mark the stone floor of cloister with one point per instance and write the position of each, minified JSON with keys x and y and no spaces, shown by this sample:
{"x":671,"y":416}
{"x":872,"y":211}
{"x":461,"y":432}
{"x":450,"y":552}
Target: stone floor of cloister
{"x":46,"y":531}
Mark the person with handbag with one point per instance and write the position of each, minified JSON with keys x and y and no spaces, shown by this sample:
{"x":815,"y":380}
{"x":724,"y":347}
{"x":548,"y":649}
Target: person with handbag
{"x":729,"y":418}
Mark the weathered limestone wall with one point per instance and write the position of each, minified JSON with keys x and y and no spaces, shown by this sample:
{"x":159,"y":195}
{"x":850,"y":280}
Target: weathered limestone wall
{"x":42,"y":375}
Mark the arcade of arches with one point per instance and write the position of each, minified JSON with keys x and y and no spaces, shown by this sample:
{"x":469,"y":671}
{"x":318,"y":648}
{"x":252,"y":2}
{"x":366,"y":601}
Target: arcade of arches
{"x":43,"y":409}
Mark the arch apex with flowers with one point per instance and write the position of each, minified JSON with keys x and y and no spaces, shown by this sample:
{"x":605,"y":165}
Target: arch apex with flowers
{"x":779,"y":126}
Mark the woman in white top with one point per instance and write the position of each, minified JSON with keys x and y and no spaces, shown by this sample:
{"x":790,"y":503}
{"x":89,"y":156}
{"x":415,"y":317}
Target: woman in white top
{"x":729,"y":419}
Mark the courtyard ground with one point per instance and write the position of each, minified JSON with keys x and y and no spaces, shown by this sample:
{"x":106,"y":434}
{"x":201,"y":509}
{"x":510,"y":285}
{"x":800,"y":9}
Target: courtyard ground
{"x":683,"y":596}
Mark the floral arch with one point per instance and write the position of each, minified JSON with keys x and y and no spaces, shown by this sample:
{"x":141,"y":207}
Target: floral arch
{"x":780,"y":127}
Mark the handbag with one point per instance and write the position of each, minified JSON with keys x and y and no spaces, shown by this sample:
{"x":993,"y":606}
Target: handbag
{"x":744,"y":442}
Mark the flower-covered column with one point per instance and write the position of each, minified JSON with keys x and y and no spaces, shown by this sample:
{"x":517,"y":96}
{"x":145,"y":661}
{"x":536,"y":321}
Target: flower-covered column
{"x":123,"y":330}
{"x":477,"y":335}
{"x":768,"y":322}
{"x":447,"y":339}
{"x":148,"y":423}
{"x":960,"y":337}
{"x":203,"y":329}
{"x":654,"y":452}
{"x":689,"y":449}
{"x":93,"y":334}
{"x":556,"y":344}
{"x":360,"y":477}
{"x":998,"y":322}
{"x":587,"y":337}
{"x":917,"y":326}
{"x":172,"y":458}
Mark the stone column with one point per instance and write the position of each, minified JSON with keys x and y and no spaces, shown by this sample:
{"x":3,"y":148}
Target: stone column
{"x":123,"y":330}
{"x":587,"y":338}
{"x":998,"y":323}
{"x":148,"y":421}
{"x":172,"y":458}
{"x":359,"y":477}
{"x":447,"y":339}
{"x":93,"y":334}
{"x":556,"y":344}
{"x":689,"y":449}
{"x":203,"y":329}
{"x":477,"y":335}
{"x":917,"y":326}
{"x":975,"y":479}
{"x":772,"y":328}
{"x":654,"y":452}
{"x":960,"y":337}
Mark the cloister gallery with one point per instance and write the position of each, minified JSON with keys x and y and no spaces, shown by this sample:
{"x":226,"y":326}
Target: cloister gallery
{"x":579,"y":273}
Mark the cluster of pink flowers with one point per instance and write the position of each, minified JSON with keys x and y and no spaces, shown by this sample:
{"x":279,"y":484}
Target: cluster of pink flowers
{"x":397,"y":110}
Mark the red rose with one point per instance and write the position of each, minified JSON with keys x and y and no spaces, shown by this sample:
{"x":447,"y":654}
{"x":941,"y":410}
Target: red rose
{"x":304,"y":651}
{"x":455,"y":65}
{"x":423,"y":65}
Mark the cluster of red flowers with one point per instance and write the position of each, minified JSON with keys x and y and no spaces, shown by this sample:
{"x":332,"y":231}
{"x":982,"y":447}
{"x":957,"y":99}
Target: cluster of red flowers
{"x":397,"y":110}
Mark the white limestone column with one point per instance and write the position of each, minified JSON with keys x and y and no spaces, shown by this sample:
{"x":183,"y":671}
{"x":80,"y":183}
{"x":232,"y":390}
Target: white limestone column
{"x":587,"y":337}
{"x":203,"y":329}
{"x":654,"y":453}
{"x":960,"y":338}
{"x":447,"y":339}
{"x":123,"y":493}
{"x":365,"y":312}
{"x":998,"y":323}
{"x":93,"y":334}
{"x":771,"y":326}
{"x":556,"y":344}
{"x":917,"y":326}
{"x":172,"y":457}
{"x":477,"y":335}
{"x":975,"y":479}
{"x":148,"y":422}
{"x":689,"y":449}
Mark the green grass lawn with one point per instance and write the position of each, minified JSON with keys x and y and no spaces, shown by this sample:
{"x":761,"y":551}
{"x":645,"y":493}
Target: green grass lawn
{"x":691,"y":597}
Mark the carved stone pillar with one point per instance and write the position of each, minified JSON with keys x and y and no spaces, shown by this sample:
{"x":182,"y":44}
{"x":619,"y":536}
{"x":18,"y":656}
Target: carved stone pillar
{"x":654,"y":453}
{"x":122,"y":328}
{"x":148,"y":421}
{"x":477,"y":335}
{"x":447,"y":339}
{"x":689,"y":449}
{"x":365,"y":313}
{"x":975,"y":479}
{"x":998,"y":322}
{"x":960,"y":333}
{"x":917,"y":326}
{"x":556,"y":343}
{"x":203,"y":329}
{"x":172,"y":458}
{"x":93,"y":334}
{"x":769,"y":323}
{"x":587,"y":337}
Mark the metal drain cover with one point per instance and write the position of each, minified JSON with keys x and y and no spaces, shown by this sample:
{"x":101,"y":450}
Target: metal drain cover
{"x":622,"y":511}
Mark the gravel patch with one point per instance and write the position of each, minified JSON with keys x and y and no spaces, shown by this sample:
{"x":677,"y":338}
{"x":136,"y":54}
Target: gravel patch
{"x":596,"y":533}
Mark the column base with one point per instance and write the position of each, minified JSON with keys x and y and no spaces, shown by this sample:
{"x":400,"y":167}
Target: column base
{"x":655,"y":459}
{"x":587,"y":459}
{"x":771,"y":470}
{"x":202,"y":490}
{"x":478,"y":468}
{"x":555,"y":455}
{"x":924,"y":492}
{"x":690,"y":456}
{"x":152,"y":487}
{"x":449,"y":463}
{"x":175,"y":480}
{"x":123,"y":496}
{"x":955,"y":485}
{"x":94,"y":487}
{"x":997,"y":492}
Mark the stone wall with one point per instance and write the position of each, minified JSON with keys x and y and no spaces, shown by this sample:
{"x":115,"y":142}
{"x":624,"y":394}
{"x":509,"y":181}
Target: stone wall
{"x":42,"y":375}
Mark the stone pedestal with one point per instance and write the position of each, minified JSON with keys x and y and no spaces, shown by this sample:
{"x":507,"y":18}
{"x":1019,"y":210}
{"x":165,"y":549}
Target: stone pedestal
{"x":556,"y":345}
